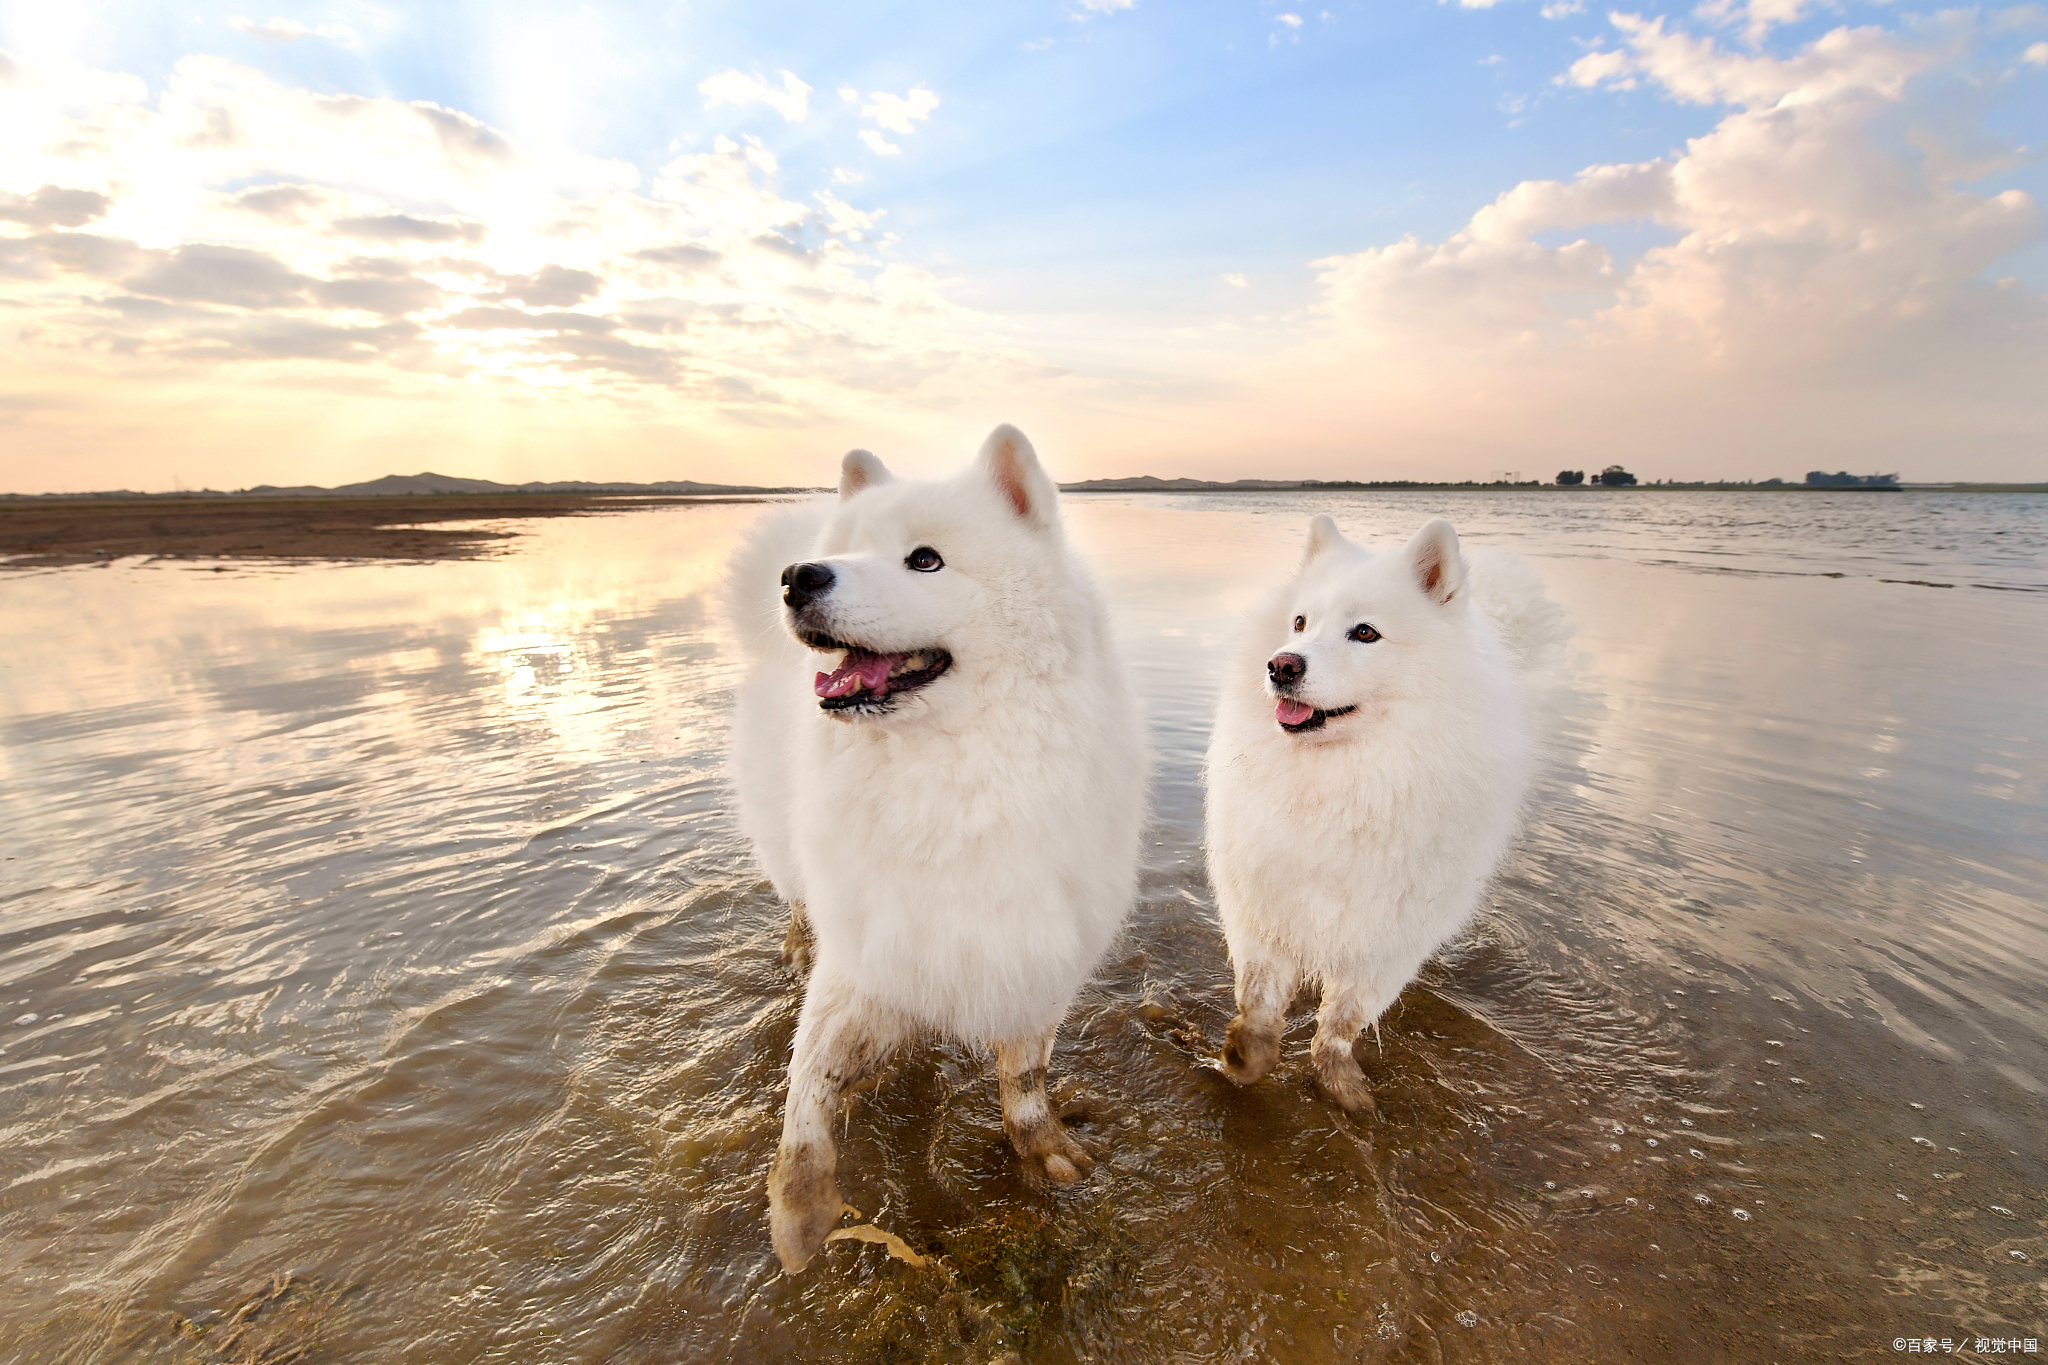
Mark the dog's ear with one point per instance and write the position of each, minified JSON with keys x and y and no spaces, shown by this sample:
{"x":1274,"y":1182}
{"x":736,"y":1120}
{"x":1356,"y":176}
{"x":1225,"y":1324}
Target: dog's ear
{"x":1433,"y":557}
{"x":860,"y":470}
{"x":1009,"y":462}
{"x":1323,"y":537}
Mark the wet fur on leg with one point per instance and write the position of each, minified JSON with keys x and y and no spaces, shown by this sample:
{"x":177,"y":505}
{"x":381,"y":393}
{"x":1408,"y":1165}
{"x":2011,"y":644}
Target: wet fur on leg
{"x":1035,"y":1131}
{"x":796,"y":943}
{"x":840,"y":1038}
{"x":1340,"y":1019}
{"x":1251,"y":1046}
{"x":1340,"y":1078}
{"x":1249,"y":1050}
{"x":803,"y":1201}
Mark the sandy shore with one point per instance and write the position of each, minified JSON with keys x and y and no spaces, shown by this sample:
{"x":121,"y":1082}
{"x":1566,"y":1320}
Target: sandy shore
{"x":42,"y":534}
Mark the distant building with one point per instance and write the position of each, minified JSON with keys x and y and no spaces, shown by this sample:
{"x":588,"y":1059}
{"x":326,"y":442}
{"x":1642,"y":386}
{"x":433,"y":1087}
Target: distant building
{"x":1568,"y":478}
{"x":1614,"y":476}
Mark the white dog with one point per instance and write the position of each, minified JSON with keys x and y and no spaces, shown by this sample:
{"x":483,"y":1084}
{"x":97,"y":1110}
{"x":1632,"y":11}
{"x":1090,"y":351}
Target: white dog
{"x":1371,"y":751}
{"x":942,"y":768}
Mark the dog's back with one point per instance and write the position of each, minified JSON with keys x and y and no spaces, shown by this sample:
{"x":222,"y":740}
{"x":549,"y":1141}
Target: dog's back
{"x":1509,"y":589}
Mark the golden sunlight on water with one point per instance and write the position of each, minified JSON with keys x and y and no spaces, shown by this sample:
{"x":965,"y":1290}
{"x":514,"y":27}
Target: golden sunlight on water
{"x":382,"y":977}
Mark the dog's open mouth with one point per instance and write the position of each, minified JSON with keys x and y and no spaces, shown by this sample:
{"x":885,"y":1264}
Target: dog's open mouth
{"x":1296,"y":717}
{"x":869,"y":681}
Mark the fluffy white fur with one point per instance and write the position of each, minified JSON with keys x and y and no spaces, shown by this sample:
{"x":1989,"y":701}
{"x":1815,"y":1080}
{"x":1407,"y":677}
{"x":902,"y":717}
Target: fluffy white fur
{"x":1344,"y":854}
{"x":965,"y":852}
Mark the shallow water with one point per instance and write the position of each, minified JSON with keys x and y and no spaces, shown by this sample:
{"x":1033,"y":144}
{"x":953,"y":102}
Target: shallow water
{"x":380,"y":969}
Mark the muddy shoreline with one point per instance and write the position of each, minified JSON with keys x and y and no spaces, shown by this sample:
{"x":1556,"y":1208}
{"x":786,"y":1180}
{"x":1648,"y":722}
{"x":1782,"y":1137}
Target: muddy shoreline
{"x":46,"y":535}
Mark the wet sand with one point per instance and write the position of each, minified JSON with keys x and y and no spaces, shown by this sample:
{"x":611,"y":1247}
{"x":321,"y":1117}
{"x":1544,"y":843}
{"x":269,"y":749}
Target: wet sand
{"x":36,"y":535}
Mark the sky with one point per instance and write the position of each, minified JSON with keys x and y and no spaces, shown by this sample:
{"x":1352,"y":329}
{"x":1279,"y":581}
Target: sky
{"x":252,"y":243}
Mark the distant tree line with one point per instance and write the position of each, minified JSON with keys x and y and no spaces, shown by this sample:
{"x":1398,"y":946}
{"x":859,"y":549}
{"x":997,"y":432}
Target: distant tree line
{"x":1614,"y":476}
{"x":1820,"y":478}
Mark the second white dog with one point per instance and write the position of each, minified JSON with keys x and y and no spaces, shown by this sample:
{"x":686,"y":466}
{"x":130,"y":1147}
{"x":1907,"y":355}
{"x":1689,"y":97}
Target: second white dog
{"x":942,"y":768}
{"x":1366,"y":773}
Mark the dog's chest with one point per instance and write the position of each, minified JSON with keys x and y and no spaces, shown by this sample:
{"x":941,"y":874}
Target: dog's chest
{"x":923,"y":792}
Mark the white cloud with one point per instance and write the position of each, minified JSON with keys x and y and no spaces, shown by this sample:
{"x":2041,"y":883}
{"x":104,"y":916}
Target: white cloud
{"x":1859,"y":62}
{"x":898,"y":113}
{"x":1494,"y":59}
{"x":792,"y":99}
{"x":842,"y":176}
{"x":291,"y":31}
{"x":1036,"y":45}
{"x":1800,"y":233}
{"x":1756,"y":17}
{"x":1611,"y":67}
{"x":1472,"y":4}
{"x":849,"y":94}
{"x":1563,"y":9}
{"x":232,"y":221}
{"x":1092,"y":8}
{"x":2037,"y":54}
{"x":1236,"y":281}
{"x":1291,"y":20}
{"x":846,"y":220}
{"x":878,"y":144}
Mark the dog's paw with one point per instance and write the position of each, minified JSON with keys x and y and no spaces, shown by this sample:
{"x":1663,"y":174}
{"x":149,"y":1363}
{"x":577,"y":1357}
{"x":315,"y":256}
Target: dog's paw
{"x":1055,"y":1155}
{"x":1247,"y":1054}
{"x":1339,"y":1078}
{"x":803,"y":1203}
{"x":1048,"y":1149}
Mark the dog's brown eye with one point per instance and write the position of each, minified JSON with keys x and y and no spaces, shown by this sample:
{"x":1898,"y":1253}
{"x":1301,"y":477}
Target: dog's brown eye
{"x":924,"y":559}
{"x":1300,"y":622}
{"x":1364,"y":633}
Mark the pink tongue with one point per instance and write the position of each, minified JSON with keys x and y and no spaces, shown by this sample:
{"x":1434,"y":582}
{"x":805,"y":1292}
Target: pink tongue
{"x":861,"y":670}
{"x":1288,"y":712}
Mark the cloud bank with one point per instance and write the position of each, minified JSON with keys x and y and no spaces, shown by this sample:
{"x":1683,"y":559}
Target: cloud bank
{"x":1824,"y":273}
{"x":1813,"y":279}
{"x":236,"y":231}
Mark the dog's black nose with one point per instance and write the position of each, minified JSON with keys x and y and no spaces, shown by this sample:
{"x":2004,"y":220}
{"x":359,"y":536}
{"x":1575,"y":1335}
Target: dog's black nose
{"x":802,"y":582}
{"x":1286,"y":669}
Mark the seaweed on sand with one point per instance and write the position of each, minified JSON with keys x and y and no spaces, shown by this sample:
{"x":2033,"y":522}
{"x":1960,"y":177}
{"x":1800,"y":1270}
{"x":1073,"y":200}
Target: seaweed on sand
{"x":280,"y":1324}
{"x":1035,"y":1274}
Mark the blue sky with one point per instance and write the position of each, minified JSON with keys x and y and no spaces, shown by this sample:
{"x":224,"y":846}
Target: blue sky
{"x":1168,"y":235}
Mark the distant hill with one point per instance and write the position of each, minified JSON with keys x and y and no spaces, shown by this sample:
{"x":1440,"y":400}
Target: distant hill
{"x":430,"y":484}
{"x":419,"y":485}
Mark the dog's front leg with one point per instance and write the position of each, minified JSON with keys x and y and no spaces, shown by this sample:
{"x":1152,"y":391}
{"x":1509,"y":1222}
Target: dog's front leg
{"x":1265,"y":986}
{"x":839,"y":1038}
{"x":1035,"y":1131}
{"x":1346,"y":1009}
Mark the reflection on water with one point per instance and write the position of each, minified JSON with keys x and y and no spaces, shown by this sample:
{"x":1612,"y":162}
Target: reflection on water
{"x":380,"y":969}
